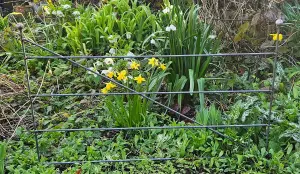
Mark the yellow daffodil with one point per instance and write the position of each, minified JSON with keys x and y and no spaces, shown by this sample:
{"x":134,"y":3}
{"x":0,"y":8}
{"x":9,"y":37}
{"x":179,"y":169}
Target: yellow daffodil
{"x":122,"y":75}
{"x":280,"y":37}
{"x":139,"y":79}
{"x":110,"y":74}
{"x":153,"y":62}
{"x":162,"y":66}
{"x":134,"y":65}
{"x":104,"y":91}
{"x":110,"y":86}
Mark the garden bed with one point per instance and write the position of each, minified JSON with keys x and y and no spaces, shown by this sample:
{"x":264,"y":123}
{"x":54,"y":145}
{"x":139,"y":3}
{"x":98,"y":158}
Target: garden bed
{"x":108,"y":128}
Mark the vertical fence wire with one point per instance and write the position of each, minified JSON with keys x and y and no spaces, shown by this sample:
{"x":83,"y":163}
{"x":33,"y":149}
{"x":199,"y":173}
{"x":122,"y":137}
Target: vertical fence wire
{"x":20,"y":27}
{"x":273,"y":85}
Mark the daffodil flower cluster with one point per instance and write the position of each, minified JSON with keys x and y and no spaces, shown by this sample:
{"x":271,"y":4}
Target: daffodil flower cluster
{"x":130,"y":74}
{"x":155,"y":63}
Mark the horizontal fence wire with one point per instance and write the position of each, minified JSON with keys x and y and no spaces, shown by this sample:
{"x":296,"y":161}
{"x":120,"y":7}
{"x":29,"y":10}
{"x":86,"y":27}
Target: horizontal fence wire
{"x":153,"y":128}
{"x":147,"y":93}
{"x":151,"y":56}
{"x":10,"y":2}
{"x":238,"y":20}
{"x":129,"y":160}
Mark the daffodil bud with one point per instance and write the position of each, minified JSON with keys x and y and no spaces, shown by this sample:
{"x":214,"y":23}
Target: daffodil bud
{"x":279,"y":21}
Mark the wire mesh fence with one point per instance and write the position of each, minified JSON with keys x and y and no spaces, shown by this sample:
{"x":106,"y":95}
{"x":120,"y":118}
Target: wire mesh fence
{"x":145,"y":95}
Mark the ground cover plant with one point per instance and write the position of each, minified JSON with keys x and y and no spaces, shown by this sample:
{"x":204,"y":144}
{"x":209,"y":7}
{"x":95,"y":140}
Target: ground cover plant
{"x":135,"y":28}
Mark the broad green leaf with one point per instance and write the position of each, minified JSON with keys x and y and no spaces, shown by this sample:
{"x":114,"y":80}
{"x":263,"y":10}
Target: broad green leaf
{"x":295,"y":92}
{"x":290,"y":148}
{"x":191,"y":75}
{"x":240,"y":159}
{"x":201,"y":82}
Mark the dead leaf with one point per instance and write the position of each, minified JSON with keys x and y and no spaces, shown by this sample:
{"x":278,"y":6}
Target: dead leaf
{"x":242,"y":30}
{"x":256,"y":18}
{"x":267,"y":44}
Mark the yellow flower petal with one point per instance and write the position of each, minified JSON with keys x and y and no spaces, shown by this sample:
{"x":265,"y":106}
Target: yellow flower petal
{"x":104,"y":91}
{"x":110,"y":86}
{"x":110,"y":74}
{"x":134,"y":65}
{"x":122,"y":75}
{"x":163,"y":66}
{"x":153,"y":62}
{"x":280,"y":37}
{"x":139,"y":79}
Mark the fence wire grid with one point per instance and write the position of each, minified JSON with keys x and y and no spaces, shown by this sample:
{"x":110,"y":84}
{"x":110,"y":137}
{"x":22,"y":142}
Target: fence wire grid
{"x":212,"y":128}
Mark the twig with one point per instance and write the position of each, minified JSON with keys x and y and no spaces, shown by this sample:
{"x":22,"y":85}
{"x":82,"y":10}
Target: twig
{"x":24,"y":115}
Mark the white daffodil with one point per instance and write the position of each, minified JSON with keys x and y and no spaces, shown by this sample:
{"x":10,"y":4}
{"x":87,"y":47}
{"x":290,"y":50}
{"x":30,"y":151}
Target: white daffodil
{"x":166,"y":10}
{"x":128,"y":35}
{"x":172,"y":27}
{"x":76,"y":13}
{"x":152,"y":41}
{"x":108,"y":61}
{"x":66,"y":6}
{"x":279,"y":21}
{"x":112,"y":39}
{"x":168,"y":29}
{"x":93,"y":69}
{"x":105,"y":72}
{"x":212,"y":36}
{"x":58,"y":13}
{"x":130,"y":54}
{"x":112,"y":51}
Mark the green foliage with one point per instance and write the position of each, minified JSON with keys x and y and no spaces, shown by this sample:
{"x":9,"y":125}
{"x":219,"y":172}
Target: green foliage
{"x":209,"y":116}
{"x":191,"y":36}
{"x":2,"y":156}
{"x":201,"y":83}
{"x":115,"y":25}
{"x":127,"y":114}
{"x":291,"y":11}
{"x":177,"y":86}
{"x":3,"y":23}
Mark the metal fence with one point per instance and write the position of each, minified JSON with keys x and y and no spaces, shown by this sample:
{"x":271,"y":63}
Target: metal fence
{"x":144,"y":95}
